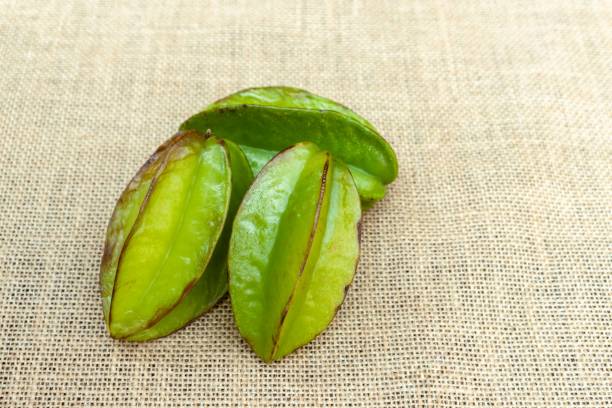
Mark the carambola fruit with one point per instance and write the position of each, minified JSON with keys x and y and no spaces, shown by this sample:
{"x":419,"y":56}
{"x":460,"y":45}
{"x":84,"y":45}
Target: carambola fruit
{"x":164,"y":261}
{"x":294,"y":250}
{"x":186,"y":228}
{"x":264,"y":121}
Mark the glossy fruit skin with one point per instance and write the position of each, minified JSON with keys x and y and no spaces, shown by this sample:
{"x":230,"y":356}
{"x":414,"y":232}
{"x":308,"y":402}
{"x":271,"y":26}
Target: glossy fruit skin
{"x":264,"y":121}
{"x":164,"y":262}
{"x":294,"y":250}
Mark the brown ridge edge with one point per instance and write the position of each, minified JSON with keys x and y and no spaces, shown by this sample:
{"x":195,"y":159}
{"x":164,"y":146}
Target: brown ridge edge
{"x":313,"y":231}
{"x":264,"y":170}
{"x":166,"y":148}
{"x":163,"y":312}
{"x":346,"y":288}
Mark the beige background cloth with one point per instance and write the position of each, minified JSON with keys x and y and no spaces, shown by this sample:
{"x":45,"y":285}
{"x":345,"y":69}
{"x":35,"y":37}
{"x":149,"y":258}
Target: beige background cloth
{"x":485,"y":276}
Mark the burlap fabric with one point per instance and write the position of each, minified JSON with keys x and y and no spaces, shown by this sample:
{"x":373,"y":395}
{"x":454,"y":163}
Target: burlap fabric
{"x":485,"y":276}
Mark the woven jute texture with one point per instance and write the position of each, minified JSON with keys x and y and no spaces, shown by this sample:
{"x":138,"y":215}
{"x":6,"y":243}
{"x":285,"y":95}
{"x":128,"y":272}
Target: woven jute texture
{"x":485,"y":274}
